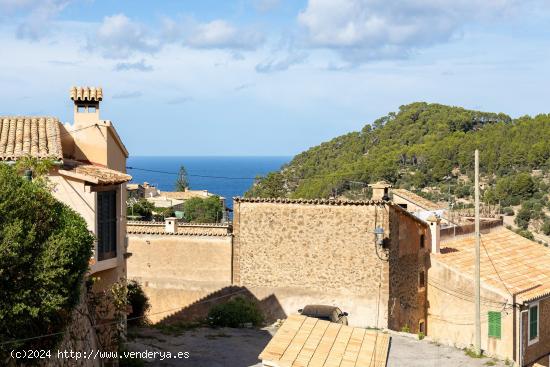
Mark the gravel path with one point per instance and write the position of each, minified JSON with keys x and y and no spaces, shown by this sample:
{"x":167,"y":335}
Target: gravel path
{"x":240,"y":348}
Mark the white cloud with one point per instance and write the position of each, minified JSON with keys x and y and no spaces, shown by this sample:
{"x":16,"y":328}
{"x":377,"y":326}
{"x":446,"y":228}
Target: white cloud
{"x":217,"y":34}
{"x":221,"y":34}
{"x":120,"y":37}
{"x":34,"y":17}
{"x":378,"y":29}
{"x":136,"y":66}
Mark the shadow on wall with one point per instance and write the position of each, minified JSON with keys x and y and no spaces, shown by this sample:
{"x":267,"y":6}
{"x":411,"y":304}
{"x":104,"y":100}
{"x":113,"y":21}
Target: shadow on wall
{"x":199,"y":309}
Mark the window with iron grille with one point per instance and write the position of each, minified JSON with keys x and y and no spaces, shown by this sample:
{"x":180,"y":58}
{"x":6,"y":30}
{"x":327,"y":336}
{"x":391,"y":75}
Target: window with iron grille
{"x":495,"y":319}
{"x":106,"y":225}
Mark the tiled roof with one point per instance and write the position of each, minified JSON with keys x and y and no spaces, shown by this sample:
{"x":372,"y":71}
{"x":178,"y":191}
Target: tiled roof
{"x":37,"y":136}
{"x":185,"y":195}
{"x":95,"y":174}
{"x":184,"y":229}
{"x":86,"y":94}
{"x":305,"y":341}
{"x":522,"y":266}
{"x":417,"y":199}
{"x":309,"y":201}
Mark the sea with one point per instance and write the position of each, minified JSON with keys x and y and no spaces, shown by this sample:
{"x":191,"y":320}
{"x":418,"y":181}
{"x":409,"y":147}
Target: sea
{"x":224,"y":176}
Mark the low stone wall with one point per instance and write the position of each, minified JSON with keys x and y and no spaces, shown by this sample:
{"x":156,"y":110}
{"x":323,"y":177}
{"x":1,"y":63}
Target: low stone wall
{"x":80,"y":336}
{"x":176,"y":270}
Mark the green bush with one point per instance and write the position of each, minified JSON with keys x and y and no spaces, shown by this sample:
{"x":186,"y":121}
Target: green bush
{"x":508,"y":211}
{"x":142,"y":208}
{"x":45,"y":248}
{"x":235,"y":313}
{"x":139,"y":302}
{"x":546,"y":227}
{"x":208,"y":210}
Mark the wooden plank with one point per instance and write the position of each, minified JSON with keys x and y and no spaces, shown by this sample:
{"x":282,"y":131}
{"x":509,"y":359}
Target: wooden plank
{"x":303,"y":359}
{"x":325,"y":345}
{"x":296,"y":344}
{"x":280,"y":341}
{"x":354,"y":346}
{"x":339,"y":347}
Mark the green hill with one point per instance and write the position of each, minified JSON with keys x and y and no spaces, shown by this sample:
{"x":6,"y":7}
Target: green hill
{"x":419,"y":146}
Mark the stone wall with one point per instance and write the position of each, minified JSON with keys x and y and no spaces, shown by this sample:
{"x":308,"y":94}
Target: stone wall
{"x":80,"y":336}
{"x":409,"y":262}
{"x":313,"y":252}
{"x":175,"y":270}
{"x":537,"y":352}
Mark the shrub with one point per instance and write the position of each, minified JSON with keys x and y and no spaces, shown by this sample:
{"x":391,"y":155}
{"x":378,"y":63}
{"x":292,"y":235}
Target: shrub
{"x":525,"y":233}
{"x":421,"y":335}
{"x":405,"y":329}
{"x":508,"y":211}
{"x":45,"y":248}
{"x":546,"y":227}
{"x":139,"y":302}
{"x":208,"y":210}
{"x":235,"y":313}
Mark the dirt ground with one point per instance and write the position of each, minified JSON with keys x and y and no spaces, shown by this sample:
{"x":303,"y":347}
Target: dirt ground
{"x":240,"y":348}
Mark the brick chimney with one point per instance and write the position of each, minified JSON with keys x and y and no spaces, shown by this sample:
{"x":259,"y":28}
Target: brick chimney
{"x":435,"y":228}
{"x":86,"y":105}
{"x":380,"y":190}
{"x":171,"y":225}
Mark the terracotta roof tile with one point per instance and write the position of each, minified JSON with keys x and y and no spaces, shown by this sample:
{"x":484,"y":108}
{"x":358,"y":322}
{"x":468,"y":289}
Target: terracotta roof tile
{"x":417,"y":199}
{"x":309,"y":201}
{"x":86,"y":94}
{"x":36,"y":136}
{"x":95,"y":174}
{"x":522,"y":266}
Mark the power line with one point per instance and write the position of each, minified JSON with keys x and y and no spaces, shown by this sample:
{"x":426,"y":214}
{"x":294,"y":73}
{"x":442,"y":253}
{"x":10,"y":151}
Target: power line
{"x":241,"y":178}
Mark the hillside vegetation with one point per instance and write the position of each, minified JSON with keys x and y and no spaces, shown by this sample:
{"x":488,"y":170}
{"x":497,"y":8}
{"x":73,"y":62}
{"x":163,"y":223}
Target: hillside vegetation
{"x":429,"y":148}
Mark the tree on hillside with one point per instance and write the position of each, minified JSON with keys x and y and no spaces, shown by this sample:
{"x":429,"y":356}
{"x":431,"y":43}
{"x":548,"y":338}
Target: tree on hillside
{"x":420,"y":145}
{"x":182,"y":183}
{"x":45,"y":248}
{"x":199,"y":210}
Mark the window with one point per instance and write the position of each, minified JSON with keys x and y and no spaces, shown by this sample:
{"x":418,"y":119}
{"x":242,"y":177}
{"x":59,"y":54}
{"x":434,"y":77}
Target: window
{"x":91,"y":109}
{"x":421,"y":279}
{"x":495,"y":324}
{"x":106,"y":225}
{"x":534,"y":323}
{"x":81,"y":109}
{"x":422,"y":241}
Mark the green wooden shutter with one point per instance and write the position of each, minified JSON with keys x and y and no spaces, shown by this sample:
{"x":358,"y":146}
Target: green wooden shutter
{"x":495,"y":324}
{"x":533,"y":322}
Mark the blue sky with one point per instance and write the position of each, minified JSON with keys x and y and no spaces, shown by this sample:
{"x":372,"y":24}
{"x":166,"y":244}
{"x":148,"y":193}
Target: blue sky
{"x":269,"y":77}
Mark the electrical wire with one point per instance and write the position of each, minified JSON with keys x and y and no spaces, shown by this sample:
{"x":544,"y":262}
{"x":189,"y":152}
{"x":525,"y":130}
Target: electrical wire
{"x":239,"y":178}
{"x":377,"y":317}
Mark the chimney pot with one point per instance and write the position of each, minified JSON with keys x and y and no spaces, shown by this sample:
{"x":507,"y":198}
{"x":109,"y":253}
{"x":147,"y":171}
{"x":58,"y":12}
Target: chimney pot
{"x":171,"y":225}
{"x":435,"y":228}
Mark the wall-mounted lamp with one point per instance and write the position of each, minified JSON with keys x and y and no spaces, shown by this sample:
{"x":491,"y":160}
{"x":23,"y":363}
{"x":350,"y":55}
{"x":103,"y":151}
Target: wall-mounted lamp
{"x":379,"y":235}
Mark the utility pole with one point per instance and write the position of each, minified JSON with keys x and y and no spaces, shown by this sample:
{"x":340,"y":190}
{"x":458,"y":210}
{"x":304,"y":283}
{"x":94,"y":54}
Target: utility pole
{"x":477,"y":266}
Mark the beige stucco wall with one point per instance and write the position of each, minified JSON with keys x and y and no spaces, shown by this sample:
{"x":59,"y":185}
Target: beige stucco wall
{"x":312,"y":253}
{"x":177,"y":270}
{"x":82,"y":198}
{"x":451,"y":311}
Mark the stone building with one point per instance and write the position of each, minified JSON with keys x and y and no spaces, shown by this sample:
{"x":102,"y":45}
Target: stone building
{"x":327,"y":252}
